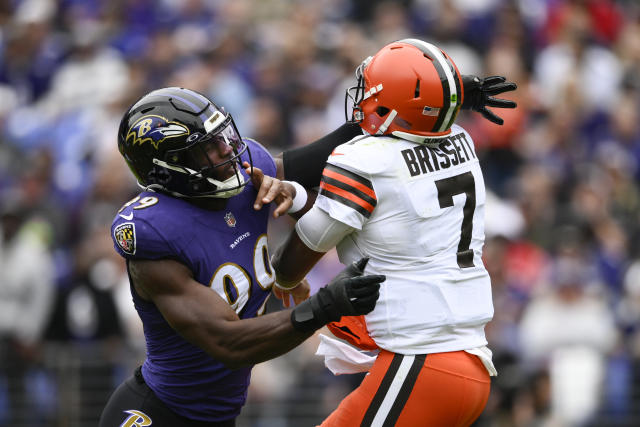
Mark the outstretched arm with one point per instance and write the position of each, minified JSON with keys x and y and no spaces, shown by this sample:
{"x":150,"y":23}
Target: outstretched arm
{"x":305,"y":164}
{"x":203,"y":318}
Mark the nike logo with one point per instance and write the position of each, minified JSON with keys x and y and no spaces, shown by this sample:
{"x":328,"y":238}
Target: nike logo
{"x":334,"y":153}
{"x":127,"y":217}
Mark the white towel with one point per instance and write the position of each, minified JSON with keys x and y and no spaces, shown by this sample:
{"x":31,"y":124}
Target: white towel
{"x":485,"y":356}
{"x":342,"y":358}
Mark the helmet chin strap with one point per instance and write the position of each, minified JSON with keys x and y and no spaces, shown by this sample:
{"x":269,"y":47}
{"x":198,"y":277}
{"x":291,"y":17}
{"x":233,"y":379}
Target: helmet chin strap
{"x":384,"y":126}
{"x":233,"y":185}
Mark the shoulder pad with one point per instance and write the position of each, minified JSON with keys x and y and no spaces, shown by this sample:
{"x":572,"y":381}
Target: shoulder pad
{"x":364,"y":154}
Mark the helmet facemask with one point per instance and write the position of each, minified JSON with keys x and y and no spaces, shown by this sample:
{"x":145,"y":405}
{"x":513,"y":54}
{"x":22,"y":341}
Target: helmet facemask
{"x":355,"y":94}
{"x":202,"y":174}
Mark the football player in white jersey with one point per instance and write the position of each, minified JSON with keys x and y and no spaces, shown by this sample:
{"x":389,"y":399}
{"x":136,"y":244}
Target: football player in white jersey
{"x":409,"y":194}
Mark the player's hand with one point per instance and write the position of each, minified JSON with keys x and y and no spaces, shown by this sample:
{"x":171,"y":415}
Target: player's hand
{"x":270,"y":189}
{"x":348,"y":294}
{"x":479,"y":94}
{"x":299,"y":293}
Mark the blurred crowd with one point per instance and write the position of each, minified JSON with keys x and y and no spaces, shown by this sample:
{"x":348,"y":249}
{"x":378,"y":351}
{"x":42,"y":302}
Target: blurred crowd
{"x":563,"y":176}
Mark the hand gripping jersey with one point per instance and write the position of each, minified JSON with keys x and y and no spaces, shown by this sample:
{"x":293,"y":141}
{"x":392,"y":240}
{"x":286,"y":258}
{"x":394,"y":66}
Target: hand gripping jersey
{"x":418,"y":211}
{"x":227,"y":251}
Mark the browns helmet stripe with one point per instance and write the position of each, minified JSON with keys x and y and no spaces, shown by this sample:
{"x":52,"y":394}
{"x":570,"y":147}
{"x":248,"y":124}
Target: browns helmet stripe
{"x":454,"y":109}
{"x":450,"y":85}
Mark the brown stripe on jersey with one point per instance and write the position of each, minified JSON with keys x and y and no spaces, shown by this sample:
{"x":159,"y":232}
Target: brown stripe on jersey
{"x":346,"y":198}
{"x":348,"y":177}
{"x":348,"y":188}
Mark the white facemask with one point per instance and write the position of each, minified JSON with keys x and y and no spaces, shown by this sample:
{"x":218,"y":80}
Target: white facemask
{"x":236,"y":180}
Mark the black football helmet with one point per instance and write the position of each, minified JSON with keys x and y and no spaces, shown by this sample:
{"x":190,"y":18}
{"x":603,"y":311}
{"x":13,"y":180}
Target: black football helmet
{"x":164,"y":139}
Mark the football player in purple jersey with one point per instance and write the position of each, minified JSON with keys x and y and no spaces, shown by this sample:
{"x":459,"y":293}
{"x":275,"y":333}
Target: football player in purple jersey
{"x":195,"y":244}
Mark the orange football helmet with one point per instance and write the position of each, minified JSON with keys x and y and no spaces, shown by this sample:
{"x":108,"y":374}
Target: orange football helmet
{"x":410,"y":89}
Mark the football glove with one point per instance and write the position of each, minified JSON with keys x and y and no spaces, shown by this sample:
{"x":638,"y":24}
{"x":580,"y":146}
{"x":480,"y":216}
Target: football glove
{"x":479,"y":94}
{"x":348,"y":294}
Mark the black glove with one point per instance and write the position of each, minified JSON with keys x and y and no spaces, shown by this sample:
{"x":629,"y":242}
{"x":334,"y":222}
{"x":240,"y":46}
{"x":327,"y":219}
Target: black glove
{"x":478,"y":95}
{"x":348,"y":294}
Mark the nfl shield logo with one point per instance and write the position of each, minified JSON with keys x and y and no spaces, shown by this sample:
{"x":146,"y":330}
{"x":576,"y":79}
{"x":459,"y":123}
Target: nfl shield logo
{"x":230,"y":219}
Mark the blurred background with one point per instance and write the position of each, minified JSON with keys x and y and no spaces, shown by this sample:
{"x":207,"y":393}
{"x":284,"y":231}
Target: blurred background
{"x":563,"y":209}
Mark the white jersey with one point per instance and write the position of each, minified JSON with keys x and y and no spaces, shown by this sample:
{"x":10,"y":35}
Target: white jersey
{"x":418,"y":212}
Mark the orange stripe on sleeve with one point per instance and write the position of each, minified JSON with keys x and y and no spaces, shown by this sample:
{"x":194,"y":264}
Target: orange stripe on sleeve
{"x":350,"y":196}
{"x":335,"y":175}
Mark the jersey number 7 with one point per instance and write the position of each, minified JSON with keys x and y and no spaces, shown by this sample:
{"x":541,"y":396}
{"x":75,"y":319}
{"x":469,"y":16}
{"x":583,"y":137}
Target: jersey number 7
{"x":449,"y":187}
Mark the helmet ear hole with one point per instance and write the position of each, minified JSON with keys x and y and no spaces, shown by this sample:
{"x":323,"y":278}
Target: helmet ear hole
{"x":382,"y":111}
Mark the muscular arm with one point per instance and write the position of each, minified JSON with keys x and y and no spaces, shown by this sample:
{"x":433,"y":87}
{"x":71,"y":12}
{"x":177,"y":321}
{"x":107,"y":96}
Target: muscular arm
{"x":293,"y":260}
{"x":199,"y":315}
{"x":305,"y":164}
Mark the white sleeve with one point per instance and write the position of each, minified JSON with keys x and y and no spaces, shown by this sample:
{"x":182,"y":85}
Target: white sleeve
{"x":319,"y":231}
{"x":347,"y":194}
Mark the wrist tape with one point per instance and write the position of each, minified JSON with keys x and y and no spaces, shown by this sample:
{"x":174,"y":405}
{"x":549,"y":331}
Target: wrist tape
{"x":300,"y":198}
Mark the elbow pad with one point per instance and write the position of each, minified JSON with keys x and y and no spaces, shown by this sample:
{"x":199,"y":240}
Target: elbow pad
{"x":319,"y":231}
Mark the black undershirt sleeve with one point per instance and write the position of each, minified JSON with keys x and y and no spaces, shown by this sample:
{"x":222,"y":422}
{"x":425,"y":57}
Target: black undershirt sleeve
{"x":305,"y":164}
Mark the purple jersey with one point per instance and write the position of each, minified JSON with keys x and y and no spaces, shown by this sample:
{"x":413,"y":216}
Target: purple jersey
{"x":227,"y":251}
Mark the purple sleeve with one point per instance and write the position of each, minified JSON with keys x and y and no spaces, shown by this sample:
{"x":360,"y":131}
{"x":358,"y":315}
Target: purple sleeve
{"x":139,"y":240}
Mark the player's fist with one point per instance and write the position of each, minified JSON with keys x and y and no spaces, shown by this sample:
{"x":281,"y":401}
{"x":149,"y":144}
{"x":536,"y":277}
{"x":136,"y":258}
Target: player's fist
{"x":363,"y":292}
{"x":300,"y":292}
{"x":348,"y":294}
